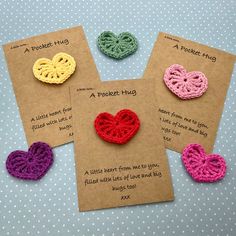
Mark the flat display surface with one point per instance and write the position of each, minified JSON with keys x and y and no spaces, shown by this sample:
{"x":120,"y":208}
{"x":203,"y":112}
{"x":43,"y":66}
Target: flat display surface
{"x":50,"y":207}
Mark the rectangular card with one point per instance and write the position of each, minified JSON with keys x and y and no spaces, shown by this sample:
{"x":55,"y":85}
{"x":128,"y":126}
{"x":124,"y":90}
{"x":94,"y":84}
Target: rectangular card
{"x":195,"y":120}
{"x":45,"y":108}
{"x":113,"y":175}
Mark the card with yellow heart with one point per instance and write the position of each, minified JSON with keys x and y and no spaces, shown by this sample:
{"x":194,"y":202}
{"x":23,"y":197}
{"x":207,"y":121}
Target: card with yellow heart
{"x":42,"y":69}
{"x":55,"y":71}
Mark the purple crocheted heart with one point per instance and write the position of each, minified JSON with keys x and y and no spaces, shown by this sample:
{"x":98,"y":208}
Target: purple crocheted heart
{"x":203,"y":167}
{"x":185,"y":85}
{"x":31,"y":165}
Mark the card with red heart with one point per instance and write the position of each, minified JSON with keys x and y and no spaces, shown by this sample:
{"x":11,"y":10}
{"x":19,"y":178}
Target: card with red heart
{"x":119,"y":149}
{"x":191,"y":85}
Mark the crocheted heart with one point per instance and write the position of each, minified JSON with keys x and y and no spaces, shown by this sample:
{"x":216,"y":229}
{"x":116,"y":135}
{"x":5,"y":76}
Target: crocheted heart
{"x":55,"y":71}
{"x":117,"y":47}
{"x":119,"y":128}
{"x":203,"y":167}
{"x":185,"y":85}
{"x":31,"y":165}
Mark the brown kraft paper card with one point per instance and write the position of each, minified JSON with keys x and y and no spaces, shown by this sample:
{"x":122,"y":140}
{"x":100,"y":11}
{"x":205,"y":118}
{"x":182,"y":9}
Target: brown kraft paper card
{"x":45,"y":108}
{"x":195,"y":120}
{"x":113,"y":175}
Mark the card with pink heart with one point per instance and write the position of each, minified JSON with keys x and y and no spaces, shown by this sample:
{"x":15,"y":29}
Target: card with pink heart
{"x":191,"y":85}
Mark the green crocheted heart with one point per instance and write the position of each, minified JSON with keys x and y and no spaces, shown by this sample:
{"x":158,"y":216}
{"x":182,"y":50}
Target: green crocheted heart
{"x":117,"y":47}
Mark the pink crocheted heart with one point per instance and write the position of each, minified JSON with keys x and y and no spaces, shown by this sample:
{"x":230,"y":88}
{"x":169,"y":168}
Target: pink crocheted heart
{"x":203,"y":167}
{"x":185,"y":85}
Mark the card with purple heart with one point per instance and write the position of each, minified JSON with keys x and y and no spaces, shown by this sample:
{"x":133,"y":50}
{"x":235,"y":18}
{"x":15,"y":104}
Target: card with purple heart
{"x":30,"y":165}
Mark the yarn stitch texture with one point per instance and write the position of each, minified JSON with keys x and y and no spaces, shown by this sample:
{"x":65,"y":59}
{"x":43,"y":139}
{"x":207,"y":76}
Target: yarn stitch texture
{"x":186,"y":85}
{"x":117,"y":47}
{"x":31,"y":165}
{"x":203,"y":167}
{"x":55,"y":71}
{"x":117,"y":129}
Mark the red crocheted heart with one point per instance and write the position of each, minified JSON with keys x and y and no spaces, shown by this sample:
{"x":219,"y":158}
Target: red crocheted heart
{"x":203,"y":167}
{"x":119,"y":128}
{"x":185,"y":85}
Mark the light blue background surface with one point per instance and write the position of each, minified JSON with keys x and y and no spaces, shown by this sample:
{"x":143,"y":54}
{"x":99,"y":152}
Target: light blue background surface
{"x":49,"y":207}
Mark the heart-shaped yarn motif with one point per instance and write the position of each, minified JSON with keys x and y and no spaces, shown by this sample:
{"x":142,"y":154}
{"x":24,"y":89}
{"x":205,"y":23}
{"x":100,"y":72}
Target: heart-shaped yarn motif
{"x":119,"y":128}
{"x":203,"y":167}
{"x":117,"y":47}
{"x":31,"y":165}
{"x":185,"y":85}
{"x":55,"y":71}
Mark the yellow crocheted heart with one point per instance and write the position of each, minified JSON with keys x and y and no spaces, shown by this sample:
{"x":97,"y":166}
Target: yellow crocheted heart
{"x":55,"y":71}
